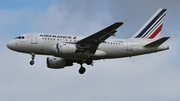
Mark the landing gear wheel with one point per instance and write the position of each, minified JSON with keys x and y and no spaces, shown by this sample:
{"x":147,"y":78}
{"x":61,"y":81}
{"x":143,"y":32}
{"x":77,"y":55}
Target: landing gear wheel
{"x":89,"y":61}
{"x":82,"y":70}
{"x":33,"y":56}
{"x":31,"y":62}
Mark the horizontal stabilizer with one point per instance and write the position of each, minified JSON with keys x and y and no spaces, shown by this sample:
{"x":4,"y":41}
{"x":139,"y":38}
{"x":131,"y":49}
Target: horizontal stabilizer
{"x":157,"y":43}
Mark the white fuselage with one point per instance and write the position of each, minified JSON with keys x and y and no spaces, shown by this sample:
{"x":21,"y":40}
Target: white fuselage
{"x":69,"y":49}
{"x":40,"y":43}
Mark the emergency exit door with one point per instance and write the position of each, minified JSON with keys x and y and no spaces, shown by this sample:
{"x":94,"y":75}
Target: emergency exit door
{"x":129,"y":46}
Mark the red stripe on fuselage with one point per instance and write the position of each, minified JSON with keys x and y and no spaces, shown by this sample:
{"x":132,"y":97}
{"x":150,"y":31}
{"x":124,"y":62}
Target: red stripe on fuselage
{"x":156,"y":32}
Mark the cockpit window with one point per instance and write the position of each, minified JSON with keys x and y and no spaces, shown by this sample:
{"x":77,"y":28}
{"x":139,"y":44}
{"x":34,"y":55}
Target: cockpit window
{"x":20,"y":37}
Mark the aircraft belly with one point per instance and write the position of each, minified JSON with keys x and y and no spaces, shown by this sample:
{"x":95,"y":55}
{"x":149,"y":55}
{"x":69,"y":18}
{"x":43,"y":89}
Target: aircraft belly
{"x":72,"y":56}
{"x":114,"y":51}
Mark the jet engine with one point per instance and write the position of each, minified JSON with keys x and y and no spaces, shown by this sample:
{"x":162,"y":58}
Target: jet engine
{"x":57,"y":63}
{"x":63,"y":48}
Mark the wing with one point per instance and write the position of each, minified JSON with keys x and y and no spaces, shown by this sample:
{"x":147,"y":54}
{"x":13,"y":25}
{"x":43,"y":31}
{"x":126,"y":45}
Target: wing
{"x":92,"y":42}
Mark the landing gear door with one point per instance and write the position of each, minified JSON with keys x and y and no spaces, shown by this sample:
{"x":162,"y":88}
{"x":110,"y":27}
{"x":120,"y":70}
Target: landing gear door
{"x":34,"y":38}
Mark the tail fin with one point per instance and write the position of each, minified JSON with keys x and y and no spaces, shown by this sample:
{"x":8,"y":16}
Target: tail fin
{"x":153,"y":26}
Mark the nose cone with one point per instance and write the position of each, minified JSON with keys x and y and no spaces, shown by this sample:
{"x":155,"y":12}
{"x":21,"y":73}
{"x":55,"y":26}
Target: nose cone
{"x":10,"y":45}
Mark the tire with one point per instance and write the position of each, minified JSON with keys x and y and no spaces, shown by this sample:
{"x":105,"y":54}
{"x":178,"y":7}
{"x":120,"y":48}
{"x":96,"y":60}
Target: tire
{"x":31,"y":62}
{"x":82,"y":70}
{"x":89,"y":61}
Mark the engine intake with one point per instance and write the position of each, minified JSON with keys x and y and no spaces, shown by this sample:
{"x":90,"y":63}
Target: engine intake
{"x":58,"y":63}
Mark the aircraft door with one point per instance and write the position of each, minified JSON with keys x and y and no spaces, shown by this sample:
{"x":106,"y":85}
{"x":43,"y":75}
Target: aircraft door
{"x":34,"y":38}
{"x":129,"y":46}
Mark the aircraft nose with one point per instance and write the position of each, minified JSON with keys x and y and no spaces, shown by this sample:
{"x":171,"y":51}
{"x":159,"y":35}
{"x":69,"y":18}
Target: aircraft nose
{"x":10,"y":45}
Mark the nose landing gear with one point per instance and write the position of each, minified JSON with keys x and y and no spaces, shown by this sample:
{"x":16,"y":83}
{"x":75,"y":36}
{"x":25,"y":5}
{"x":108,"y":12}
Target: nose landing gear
{"x":31,"y":62}
{"x":33,"y":56}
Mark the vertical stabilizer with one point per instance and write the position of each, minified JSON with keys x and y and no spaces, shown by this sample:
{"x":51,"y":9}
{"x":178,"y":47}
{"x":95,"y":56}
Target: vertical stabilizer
{"x":152,"y":28}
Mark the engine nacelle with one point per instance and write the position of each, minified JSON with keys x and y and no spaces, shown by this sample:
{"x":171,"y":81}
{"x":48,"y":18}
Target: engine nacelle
{"x":63,"y":48}
{"x":57,"y":63}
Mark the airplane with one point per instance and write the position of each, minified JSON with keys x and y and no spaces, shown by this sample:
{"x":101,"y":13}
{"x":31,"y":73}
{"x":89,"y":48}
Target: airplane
{"x":69,"y":49}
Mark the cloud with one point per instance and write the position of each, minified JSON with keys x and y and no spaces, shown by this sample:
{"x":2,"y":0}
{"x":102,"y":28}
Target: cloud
{"x":58,"y":19}
{"x":148,"y":77}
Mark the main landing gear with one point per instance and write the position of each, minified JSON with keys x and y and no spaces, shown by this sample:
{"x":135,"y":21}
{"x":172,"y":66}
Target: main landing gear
{"x":82,"y":70}
{"x":33,"y":56}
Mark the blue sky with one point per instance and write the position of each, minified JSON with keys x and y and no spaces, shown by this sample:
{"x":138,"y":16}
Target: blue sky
{"x":24,"y":4}
{"x":152,"y":77}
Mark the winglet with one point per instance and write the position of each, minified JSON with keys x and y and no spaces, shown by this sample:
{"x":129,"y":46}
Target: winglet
{"x":157,"y":43}
{"x":124,"y":22}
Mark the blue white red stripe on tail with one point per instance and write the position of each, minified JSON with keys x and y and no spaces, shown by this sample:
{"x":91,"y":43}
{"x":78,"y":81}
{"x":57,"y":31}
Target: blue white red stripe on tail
{"x":153,"y":26}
